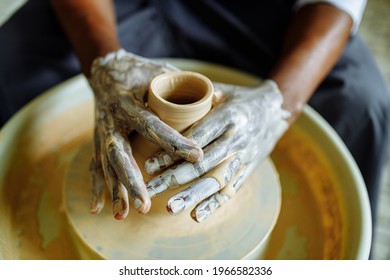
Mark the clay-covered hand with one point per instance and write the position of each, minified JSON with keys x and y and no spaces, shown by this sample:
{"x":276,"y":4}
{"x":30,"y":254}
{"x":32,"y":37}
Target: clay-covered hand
{"x":240,"y":131}
{"x":120,"y":81}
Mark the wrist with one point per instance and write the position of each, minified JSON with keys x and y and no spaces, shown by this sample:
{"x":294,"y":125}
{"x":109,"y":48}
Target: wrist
{"x":89,"y":57}
{"x":105,"y":59}
{"x":90,"y":27}
{"x":293,"y":99}
{"x":102,"y":71}
{"x":289,"y":111}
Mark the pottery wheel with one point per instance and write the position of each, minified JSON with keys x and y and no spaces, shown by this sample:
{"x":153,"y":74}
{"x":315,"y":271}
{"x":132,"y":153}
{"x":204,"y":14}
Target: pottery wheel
{"x":238,"y":230}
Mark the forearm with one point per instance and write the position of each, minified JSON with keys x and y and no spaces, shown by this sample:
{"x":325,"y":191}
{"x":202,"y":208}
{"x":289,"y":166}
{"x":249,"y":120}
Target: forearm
{"x":90,"y":26}
{"x":313,"y":43}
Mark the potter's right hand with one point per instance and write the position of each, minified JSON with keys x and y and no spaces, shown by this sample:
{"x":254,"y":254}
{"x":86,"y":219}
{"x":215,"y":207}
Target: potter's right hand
{"x":120,"y":81}
{"x":239,"y":132}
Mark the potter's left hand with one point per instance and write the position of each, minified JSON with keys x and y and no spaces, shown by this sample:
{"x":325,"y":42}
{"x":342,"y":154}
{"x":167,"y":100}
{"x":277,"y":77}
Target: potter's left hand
{"x":240,"y":131}
{"x":120,"y":81}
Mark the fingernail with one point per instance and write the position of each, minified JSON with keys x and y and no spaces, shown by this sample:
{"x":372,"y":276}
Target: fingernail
{"x":96,"y":205}
{"x":143,"y":206}
{"x":119,"y":209}
{"x":200,"y":215}
{"x":197,"y":154}
{"x":194,"y":155}
{"x":137,"y":203}
{"x":95,"y":209}
{"x":151,"y":165}
{"x":175,"y":206}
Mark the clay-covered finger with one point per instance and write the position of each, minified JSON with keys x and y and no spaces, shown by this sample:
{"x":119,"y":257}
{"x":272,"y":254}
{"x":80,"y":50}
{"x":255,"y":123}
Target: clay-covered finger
{"x":171,"y":140}
{"x":192,"y":195}
{"x":97,"y":175}
{"x":97,"y":188}
{"x":202,"y":133}
{"x":186,"y":172}
{"x":160,"y":161}
{"x":204,"y":209}
{"x":119,"y":195}
{"x":120,"y":201}
{"x":208,"y":206}
{"x":127,"y":171}
{"x":212,"y":182}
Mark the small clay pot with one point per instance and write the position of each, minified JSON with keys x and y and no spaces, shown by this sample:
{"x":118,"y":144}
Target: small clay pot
{"x":180,"y":98}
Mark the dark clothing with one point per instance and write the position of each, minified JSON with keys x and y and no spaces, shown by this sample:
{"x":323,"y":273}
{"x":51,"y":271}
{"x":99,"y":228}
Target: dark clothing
{"x":354,"y":98}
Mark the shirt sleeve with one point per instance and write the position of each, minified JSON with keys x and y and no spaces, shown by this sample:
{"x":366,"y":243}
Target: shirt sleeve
{"x":8,"y":8}
{"x":354,"y":8}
